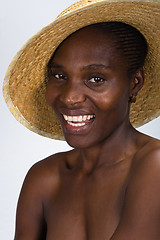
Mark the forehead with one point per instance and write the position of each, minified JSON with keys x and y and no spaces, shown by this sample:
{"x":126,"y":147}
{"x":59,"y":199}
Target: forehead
{"x":89,"y":43}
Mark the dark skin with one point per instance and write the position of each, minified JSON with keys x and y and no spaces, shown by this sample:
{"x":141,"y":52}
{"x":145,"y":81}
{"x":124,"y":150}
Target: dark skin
{"x":107,"y":187}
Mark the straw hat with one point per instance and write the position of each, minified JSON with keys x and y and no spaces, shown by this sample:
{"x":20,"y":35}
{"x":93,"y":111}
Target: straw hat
{"x":24,"y":84}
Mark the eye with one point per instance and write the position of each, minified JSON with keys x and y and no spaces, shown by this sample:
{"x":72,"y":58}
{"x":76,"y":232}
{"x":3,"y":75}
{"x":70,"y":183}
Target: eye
{"x":59,"y":76}
{"x":96,"y":80}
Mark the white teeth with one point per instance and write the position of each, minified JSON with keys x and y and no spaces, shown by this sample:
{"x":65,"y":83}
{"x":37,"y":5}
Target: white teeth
{"x":69,"y":118}
{"x":76,"y":124}
{"x":65,"y":117}
{"x":84,"y":118}
{"x":74,"y":119}
{"x":80,"y":119}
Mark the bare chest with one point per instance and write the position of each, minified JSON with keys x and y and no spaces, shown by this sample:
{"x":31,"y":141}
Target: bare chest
{"x":85,"y":209}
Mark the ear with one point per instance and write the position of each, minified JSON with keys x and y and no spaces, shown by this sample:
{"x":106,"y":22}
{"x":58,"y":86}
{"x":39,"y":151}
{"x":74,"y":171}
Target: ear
{"x":136,"y":82}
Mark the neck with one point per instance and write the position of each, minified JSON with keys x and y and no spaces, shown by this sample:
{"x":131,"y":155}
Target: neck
{"x":115,"y":148}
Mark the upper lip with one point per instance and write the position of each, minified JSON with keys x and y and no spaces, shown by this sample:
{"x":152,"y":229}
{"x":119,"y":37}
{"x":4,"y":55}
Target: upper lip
{"x":76,"y":112}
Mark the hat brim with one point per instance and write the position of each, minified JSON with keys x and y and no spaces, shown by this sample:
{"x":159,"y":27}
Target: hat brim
{"x":24,"y":84}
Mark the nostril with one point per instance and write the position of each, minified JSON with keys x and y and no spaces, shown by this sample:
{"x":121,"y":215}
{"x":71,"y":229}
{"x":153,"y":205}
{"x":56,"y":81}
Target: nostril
{"x":72,"y":96}
{"x":73,"y":99}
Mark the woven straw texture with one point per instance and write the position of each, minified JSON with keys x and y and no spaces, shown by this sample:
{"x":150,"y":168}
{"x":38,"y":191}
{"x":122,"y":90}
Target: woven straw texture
{"x":24,"y":84}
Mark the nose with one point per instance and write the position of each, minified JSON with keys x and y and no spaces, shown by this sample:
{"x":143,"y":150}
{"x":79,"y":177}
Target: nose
{"x":72,"y":94}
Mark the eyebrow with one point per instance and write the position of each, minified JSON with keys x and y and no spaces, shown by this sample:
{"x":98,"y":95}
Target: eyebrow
{"x":88,"y":67}
{"x":95,"y":66}
{"x":54,"y":65}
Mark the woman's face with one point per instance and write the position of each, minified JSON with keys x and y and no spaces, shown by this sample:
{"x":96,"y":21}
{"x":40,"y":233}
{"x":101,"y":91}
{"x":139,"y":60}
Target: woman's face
{"x":89,"y":88}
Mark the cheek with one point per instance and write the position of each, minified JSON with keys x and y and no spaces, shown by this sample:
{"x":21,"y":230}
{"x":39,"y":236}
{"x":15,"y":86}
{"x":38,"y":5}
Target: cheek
{"x":113,"y":99}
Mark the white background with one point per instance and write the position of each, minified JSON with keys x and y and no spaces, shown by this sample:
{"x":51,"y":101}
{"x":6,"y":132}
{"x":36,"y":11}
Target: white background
{"x":19,"y":147}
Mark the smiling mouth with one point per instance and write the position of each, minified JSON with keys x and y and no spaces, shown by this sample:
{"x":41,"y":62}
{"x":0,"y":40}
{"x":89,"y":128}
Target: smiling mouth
{"x":78,"y":121}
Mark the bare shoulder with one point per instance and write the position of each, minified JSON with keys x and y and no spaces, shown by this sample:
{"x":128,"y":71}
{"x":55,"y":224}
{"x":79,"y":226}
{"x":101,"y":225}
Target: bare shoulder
{"x":145,"y":170}
{"x":147,"y":157}
{"x":47,"y":172}
{"x":41,"y":181}
{"x":141,"y":211}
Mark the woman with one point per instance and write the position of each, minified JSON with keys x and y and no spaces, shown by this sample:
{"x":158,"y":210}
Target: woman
{"x":107,"y":187}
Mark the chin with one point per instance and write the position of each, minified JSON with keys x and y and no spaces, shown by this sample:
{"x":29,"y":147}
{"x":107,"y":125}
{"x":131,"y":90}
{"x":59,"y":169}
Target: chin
{"x":80,"y":141}
{"x":76,"y":142}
